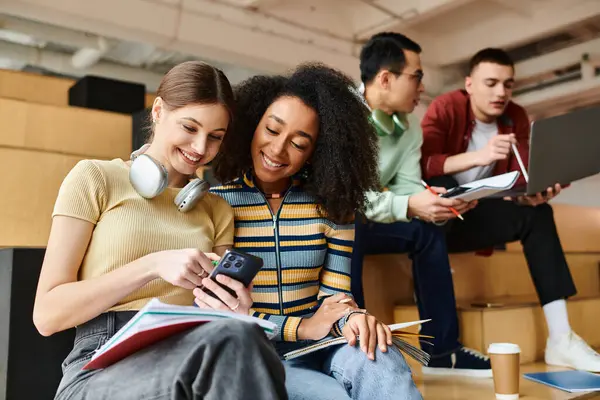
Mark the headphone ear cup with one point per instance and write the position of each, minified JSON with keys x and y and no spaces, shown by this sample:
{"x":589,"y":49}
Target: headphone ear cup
{"x":191,"y":194}
{"x":383,"y":122}
{"x":147,"y":176}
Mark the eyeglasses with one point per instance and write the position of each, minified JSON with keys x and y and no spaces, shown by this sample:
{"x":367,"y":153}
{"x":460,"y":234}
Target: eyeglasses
{"x":417,"y":76}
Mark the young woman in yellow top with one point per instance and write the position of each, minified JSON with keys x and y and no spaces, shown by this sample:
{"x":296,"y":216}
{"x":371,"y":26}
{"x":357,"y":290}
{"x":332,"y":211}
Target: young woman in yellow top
{"x":125,"y":232}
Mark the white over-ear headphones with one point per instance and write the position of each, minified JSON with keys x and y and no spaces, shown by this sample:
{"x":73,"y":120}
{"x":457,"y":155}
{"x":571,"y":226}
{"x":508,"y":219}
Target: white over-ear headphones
{"x":150,"y":178}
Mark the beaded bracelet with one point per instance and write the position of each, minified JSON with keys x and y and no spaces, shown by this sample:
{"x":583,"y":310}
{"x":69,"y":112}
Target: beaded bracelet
{"x":354,"y":312}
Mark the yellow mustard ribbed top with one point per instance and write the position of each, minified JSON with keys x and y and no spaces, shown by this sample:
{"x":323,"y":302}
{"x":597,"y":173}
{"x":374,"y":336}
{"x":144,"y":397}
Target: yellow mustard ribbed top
{"x":128,"y":226}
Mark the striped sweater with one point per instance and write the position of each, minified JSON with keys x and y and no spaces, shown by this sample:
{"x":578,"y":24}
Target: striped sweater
{"x":306,"y":256}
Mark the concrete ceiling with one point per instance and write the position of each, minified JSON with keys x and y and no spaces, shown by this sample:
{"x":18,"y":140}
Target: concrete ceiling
{"x":141,"y":39}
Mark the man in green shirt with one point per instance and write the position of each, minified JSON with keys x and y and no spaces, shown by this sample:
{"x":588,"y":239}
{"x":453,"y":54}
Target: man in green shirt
{"x":402,"y":218}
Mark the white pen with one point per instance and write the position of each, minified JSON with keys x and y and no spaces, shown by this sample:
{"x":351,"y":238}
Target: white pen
{"x":523,"y":170}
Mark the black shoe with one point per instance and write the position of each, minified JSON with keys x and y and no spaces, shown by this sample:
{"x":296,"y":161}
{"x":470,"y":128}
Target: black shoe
{"x":462,"y":362}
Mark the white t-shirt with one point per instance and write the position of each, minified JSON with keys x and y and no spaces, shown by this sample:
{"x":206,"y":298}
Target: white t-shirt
{"x":482,"y":133}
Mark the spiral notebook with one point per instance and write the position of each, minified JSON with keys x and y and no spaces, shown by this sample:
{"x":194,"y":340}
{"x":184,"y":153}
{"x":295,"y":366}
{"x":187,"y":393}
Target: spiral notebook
{"x":398,"y":336}
{"x":158,"y":321}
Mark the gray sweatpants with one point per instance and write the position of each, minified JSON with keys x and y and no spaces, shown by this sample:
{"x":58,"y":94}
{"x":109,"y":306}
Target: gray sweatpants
{"x":220,"y":360}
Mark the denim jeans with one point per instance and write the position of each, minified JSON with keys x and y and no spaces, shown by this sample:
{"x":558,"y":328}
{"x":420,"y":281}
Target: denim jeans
{"x":344,"y":372}
{"x":426,"y":246}
{"x":220,"y":360}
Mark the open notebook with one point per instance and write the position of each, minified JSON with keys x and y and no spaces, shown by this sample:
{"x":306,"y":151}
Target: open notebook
{"x":397,"y":338}
{"x":157,"y":321}
{"x":487,"y":187}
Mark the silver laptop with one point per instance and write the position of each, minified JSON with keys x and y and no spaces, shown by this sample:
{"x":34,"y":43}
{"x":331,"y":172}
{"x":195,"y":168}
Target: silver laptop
{"x":562,"y":149}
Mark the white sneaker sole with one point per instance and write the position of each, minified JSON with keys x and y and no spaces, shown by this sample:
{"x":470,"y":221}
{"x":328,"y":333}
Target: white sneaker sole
{"x":470,"y":373}
{"x":553,"y":362}
{"x":556,"y":363}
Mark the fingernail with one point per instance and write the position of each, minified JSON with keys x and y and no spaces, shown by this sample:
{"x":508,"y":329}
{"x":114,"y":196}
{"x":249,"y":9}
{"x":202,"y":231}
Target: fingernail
{"x":371,"y":356}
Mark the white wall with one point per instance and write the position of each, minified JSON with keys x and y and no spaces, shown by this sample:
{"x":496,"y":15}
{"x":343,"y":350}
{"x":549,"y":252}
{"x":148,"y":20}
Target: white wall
{"x":585,"y":192}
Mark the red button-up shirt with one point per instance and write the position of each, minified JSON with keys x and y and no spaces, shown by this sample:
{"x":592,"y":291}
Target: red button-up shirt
{"x":448,"y":125}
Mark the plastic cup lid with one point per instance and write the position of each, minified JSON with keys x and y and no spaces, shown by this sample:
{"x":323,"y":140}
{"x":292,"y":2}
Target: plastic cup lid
{"x":504,"y":348}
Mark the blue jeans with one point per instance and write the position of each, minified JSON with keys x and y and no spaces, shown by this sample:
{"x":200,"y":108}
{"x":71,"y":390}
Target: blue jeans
{"x":426,"y":246}
{"x":344,"y":372}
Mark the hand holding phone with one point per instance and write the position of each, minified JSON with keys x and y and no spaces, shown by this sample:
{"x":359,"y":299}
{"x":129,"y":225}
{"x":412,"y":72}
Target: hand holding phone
{"x":236,"y":267}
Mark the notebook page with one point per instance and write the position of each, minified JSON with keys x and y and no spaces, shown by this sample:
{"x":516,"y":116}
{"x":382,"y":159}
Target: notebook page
{"x":503,"y":181}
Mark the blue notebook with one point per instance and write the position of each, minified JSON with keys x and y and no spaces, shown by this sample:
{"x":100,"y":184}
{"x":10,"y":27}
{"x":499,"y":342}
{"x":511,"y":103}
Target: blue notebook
{"x":569,"y":381}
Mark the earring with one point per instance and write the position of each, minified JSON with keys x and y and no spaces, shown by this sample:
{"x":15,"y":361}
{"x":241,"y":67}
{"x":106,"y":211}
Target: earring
{"x":305,"y":171}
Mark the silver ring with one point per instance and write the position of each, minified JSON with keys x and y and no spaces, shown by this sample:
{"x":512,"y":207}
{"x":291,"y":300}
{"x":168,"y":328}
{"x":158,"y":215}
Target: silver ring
{"x":203,"y":274}
{"x":236,"y":306}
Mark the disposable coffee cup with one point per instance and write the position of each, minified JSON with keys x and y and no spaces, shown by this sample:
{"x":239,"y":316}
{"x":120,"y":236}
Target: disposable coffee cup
{"x":505,"y":369}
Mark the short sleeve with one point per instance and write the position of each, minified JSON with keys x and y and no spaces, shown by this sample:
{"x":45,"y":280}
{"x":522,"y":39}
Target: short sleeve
{"x":82,"y":194}
{"x":223,"y":221}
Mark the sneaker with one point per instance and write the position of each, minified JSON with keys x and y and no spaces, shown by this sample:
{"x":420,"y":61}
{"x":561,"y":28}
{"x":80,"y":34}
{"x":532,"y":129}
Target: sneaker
{"x":463,"y":362}
{"x":572,"y":351}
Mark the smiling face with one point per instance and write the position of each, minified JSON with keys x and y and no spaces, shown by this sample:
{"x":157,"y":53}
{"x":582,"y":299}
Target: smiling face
{"x":490,"y":87}
{"x":284,"y":141}
{"x":187,"y":137}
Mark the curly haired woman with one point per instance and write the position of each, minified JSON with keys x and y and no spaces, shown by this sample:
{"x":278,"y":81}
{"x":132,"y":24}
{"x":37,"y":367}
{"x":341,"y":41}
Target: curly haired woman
{"x":303,"y":156}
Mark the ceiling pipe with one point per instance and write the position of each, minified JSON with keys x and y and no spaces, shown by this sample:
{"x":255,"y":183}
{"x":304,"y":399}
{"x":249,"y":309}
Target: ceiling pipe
{"x":86,"y":57}
{"x":61,"y":63}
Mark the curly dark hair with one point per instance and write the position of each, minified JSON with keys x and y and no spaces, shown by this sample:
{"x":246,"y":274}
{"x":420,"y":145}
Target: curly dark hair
{"x":344,"y":163}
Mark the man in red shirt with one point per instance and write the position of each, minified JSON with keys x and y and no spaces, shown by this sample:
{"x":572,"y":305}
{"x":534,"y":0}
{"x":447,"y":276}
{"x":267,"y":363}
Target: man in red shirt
{"x":468,"y":135}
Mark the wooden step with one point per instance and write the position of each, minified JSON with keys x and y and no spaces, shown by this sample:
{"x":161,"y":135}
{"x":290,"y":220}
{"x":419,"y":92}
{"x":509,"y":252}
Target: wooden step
{"x":41,"y":89}
{"x":578,"y":228}
{"x":35,"y":88}
{"x":68,"y":130}
{"x":452,"y":388}
{"x":150,"y":99}
{"x":387,"y":279}
{"x":30,"y":183}
{"x":521,"y":323}
{"x":506,"y":274}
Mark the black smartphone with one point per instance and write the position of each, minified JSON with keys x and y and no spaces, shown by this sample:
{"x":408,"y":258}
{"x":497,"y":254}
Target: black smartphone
{"x":237,"y":265}
{"x":455,"y":192}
